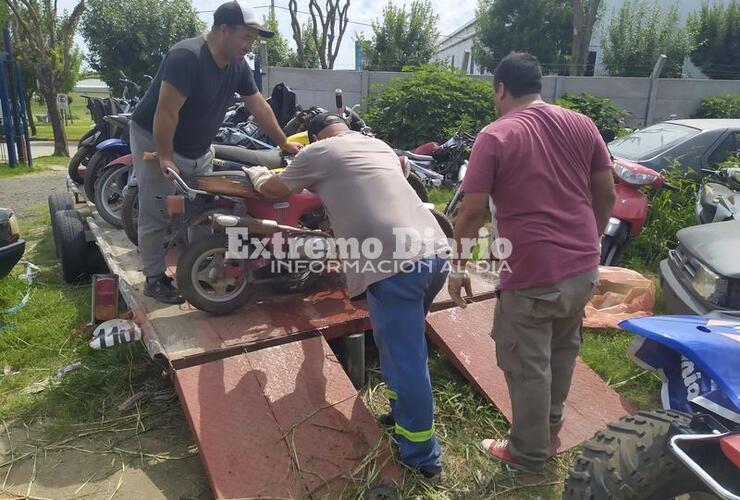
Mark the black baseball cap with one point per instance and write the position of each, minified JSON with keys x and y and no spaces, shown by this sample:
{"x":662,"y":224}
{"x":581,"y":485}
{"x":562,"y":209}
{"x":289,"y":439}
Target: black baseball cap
{"x":320,"y":122}
{"x":234,"y":13}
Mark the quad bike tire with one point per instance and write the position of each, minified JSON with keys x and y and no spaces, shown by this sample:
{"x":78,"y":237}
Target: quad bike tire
{"x":418,"y":186}
{"x":57,"y":203}
{"x":187,"y":287}
{"x":95,"y":169}
{"x":100,"y":204}
{"x":74,"y":252}
{"x":631,"y":460}
{"x":80,"y":158}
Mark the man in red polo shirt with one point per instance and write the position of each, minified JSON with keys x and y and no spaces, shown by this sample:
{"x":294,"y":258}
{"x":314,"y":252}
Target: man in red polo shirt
{"x":548,"y":173}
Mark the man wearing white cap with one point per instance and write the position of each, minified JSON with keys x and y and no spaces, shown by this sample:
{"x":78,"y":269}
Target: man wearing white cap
{"x":180,"y":115}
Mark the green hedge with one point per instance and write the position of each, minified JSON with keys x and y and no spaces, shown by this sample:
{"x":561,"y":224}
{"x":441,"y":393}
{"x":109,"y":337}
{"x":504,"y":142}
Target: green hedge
{"x":721,"y":106}
{"x":601,"y":110}
{"x":430,"y":104}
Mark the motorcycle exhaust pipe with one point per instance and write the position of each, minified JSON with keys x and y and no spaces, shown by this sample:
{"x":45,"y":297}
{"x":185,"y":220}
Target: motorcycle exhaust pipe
{"x":261,"y":226}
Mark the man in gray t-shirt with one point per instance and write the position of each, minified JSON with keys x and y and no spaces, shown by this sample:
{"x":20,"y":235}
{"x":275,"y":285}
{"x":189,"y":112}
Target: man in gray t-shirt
{"x":403,"y":265}
{"x":179,"y":117}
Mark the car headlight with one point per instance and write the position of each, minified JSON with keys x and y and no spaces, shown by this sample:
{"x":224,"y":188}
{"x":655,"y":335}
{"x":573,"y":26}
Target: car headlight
{"x":631,"y":176}
{"x":14,"y":228}
{"x":709,"y":285}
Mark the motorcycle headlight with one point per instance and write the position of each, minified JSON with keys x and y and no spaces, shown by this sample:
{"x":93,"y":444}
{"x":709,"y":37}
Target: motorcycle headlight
{"x":631,"y":176}
{"x":709,"y":285}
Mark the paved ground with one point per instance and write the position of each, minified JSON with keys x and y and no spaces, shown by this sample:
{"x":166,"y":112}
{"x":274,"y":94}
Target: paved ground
{"x":46,"y":148}
{"x":22,"y":192}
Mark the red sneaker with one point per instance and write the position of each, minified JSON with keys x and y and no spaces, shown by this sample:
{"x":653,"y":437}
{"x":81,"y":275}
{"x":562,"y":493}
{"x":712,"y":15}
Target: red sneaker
{"x":498,"y":449}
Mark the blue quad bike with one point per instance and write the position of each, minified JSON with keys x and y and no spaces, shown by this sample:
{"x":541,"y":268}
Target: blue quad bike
{"x":689,"y":449}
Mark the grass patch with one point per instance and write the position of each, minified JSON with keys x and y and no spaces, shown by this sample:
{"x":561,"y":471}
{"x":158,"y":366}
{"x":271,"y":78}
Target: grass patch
{"x":40,"y":164}
{"x":82,"y":121}
{"x":48,"y":334}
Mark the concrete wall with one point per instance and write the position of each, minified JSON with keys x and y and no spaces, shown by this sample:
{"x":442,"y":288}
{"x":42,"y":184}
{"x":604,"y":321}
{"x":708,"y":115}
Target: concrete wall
{"x":679,"y":97}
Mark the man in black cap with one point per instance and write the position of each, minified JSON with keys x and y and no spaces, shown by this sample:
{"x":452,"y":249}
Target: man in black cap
{"x":180,"y":115}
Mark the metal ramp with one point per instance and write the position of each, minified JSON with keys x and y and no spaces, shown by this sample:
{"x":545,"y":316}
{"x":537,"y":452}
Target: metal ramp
{"x":465,"y":336}
{"x":272,"y":410}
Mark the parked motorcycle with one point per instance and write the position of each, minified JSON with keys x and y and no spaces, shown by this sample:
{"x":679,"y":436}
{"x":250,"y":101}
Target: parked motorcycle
{"x":107,"y":151}
{"x":214,"y":282}
{"x":630,"y":212}
{"x":226,"y":159}
{"x":718,"y":200}
{"x":692,"y":446}
{"x":102,"y":130}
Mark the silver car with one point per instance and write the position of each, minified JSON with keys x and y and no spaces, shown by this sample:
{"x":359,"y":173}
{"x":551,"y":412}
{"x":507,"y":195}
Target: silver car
{"x":696,"y":143}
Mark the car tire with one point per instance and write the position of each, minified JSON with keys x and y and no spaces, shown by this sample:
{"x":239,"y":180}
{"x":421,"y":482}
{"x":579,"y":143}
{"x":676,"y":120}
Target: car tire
{"x":74,"y":252}
{"x":57,"y":203}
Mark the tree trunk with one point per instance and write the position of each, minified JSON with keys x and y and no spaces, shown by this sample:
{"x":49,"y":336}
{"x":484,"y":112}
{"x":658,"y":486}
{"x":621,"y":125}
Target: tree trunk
{"x":55,"y":117}
{"x":585,"y":14}
{"x":29,"y":112}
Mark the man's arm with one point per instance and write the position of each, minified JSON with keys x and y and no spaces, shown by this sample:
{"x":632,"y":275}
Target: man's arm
{"x":265,"y":118}
{"x":165,"y":122}
{"x":602,"y":197}
{"x":275,"y":189}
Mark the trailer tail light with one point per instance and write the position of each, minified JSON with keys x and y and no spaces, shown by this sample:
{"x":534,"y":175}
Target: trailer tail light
{"x":104,"y":297}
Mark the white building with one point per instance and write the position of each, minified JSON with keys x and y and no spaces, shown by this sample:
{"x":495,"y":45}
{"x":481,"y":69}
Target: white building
{"x":457,"y":48}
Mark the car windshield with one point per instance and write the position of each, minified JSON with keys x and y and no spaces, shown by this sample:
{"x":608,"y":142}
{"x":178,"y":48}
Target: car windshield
{"x":651,"y":141}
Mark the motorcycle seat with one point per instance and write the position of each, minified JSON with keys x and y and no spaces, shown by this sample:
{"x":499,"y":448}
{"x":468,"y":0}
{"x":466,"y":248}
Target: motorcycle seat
{"x":419,"y":158}
{"x":269,"y":158}
{"x":232,"y":183}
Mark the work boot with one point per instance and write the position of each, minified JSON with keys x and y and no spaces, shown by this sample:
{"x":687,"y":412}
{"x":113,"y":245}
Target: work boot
{"x":387,"y":420}
{"x":160,"y":288}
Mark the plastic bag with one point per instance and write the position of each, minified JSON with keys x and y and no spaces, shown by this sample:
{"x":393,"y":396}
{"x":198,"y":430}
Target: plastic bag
{"x":621,"y":294}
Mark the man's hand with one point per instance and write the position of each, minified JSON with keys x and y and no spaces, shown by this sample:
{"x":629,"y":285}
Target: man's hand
{"x":292,"y":148}
{"x":258,"y":176}
{"x":168,"y":164}
{"x":456,"y":281}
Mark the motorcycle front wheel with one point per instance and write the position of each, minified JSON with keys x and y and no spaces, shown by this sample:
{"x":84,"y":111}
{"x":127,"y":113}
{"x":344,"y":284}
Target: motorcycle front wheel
{"x":209,"y":280}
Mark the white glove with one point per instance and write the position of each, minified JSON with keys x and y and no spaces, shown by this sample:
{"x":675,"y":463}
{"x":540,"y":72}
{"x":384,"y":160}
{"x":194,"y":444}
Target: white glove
{"x":258,"y":176}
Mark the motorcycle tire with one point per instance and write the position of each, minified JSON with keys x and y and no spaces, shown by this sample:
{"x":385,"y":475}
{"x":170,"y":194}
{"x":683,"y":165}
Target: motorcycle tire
{"x":444,"y":223}
{"x":130,"y":214}
{"x":419,"y":188}
{"x":95,"y":169}
{"x":193,"y":291}
{"x":78,"y":164}
{"x":612,"y":247}
{"x":630,"y":459}
{"x":109,"y":193}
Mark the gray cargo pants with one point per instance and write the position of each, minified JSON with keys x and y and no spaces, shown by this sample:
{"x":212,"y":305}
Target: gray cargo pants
{"x":153,"y":191}
{"x":538,"y":334}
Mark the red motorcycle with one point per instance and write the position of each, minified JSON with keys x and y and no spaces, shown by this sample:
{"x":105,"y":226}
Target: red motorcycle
{"x":632,"y":184}
{"x":219,"y":274}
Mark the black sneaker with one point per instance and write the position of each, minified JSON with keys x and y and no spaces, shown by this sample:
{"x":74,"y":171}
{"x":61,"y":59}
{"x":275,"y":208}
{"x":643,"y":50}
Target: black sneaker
{"x":387,"y":420}
{"x":430,"y":476}
{"x":160,"y":288}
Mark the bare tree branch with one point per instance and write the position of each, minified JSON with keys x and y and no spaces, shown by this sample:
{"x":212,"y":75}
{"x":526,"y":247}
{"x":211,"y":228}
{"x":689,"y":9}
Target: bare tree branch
{"x":297,"y":35}
{"x":315,"y":9}
{"x":343,"y":21}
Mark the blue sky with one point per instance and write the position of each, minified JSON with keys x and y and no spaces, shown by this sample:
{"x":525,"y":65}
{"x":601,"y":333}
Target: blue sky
{"x":453,"y":13}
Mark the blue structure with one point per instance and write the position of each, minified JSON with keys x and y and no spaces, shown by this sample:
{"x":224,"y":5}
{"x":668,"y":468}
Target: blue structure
{"x":13,"y":103}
